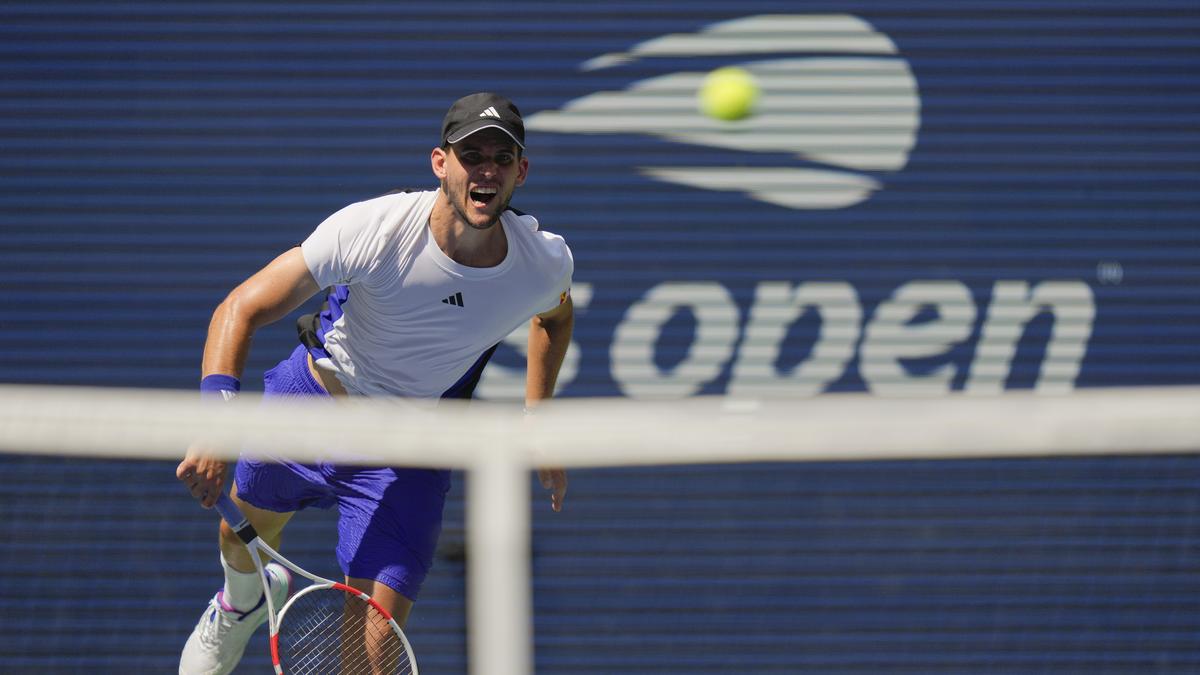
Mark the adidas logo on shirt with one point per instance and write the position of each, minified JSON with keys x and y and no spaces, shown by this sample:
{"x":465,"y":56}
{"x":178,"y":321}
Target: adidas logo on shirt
{"x":490,"y":112}
{"x":455,"y":300}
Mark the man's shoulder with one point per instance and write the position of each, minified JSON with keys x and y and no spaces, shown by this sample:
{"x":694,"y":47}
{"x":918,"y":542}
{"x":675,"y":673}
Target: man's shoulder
{"x":547,"y":250}
{"x":520,"y":219}
{"x":405,"y":191}
{"x":391,"y":210}
{"x":527,"y":224}
{"x":400,"y":198}
{"x":528,"y":227}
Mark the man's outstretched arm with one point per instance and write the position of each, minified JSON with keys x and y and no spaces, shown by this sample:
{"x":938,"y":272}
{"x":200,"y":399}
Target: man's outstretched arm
{"x":549,"y":337}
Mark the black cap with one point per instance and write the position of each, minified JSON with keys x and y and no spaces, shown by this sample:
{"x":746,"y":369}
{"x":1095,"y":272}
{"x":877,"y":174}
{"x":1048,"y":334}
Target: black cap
{"x":484,"y":110}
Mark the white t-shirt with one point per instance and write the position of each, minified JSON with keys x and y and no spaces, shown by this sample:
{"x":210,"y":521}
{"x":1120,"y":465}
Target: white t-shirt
{"x":410,"y":321}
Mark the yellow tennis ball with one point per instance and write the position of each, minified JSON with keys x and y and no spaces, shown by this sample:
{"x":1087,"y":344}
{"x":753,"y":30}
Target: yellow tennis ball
{"x":728,"y":94}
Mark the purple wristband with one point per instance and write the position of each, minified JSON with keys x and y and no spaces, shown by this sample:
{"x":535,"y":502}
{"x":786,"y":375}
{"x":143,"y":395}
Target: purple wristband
{"x":223,"y":387}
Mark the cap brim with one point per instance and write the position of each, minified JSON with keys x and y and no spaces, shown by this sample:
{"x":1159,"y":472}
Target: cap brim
{"x":486,"y":123}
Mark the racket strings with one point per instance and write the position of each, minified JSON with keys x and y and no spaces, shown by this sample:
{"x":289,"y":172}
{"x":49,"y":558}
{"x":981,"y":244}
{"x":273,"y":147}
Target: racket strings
{"x":330,"y":631}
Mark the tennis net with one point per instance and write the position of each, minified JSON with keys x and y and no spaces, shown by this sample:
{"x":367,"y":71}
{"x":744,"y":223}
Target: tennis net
{"x":845,"y":533}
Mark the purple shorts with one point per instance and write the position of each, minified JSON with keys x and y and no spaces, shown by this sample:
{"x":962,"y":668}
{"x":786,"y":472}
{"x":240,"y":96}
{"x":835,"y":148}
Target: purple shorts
{"x":389,"y":519}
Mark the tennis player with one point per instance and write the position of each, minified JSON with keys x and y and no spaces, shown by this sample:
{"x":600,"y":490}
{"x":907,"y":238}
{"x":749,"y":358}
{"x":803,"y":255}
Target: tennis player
{"x":422,"y":287}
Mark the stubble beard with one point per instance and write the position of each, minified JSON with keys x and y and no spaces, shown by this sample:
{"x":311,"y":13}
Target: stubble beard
{"x":457,"y":201}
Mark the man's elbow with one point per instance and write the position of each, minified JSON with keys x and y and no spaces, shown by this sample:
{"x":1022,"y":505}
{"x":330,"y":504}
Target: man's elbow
{"x":240,"y":307}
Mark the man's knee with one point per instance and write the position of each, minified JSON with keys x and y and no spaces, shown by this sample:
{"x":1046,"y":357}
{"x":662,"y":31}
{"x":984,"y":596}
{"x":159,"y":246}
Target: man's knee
{"x":396,"y":604}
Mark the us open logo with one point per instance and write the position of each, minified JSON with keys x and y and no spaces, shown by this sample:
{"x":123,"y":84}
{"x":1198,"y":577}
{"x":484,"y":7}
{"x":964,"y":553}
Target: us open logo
{"x":843,"y":103}
{"x":838,"y":114}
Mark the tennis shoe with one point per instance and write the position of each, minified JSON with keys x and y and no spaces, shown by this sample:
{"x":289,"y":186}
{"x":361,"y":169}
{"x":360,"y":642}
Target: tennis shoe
{"x":216,"y":644}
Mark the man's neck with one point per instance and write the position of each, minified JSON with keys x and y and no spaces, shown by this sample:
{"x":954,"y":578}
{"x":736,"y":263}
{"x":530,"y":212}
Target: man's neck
{"x":462,"y":243}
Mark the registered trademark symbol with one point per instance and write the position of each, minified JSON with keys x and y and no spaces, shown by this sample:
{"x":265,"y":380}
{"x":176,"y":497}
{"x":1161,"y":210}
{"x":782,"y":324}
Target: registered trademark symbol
{"x":1109,"y":272}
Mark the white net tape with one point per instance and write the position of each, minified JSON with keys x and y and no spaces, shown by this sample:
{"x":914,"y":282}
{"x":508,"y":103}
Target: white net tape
{"x":499,"y":445}
{"x":603,"y":432}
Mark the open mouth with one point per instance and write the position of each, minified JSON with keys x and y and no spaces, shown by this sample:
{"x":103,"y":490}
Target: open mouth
{"x":481,"y":196}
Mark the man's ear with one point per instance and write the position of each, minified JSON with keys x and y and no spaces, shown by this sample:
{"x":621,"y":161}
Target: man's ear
{"x":437,"y":161}
{"x":522,"y":170}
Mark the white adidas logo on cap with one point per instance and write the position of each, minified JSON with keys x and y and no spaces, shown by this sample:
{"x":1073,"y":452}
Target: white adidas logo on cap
{"x":490,"y":112}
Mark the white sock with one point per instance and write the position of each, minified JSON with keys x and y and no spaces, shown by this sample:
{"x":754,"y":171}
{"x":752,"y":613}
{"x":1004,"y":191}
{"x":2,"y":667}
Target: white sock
{"x":243,"y":590}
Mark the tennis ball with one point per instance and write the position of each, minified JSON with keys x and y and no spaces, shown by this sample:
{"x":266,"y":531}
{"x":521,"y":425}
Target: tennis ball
{"x":728,"y":94}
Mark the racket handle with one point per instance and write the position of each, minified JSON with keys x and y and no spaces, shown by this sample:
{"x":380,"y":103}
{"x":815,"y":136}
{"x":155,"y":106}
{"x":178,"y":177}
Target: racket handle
{"x":233,"y":515}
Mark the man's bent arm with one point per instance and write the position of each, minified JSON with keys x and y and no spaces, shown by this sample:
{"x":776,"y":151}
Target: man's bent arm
{"x":268,"y":296}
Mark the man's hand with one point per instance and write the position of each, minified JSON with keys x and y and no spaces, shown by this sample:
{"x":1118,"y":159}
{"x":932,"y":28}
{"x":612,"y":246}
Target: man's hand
{"x":203,"y":474}
{"x":556,"y":481}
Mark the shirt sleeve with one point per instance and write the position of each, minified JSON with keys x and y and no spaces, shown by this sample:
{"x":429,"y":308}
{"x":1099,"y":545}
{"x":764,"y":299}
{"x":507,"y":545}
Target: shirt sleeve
{"x":562,"y":284}
{"x":343,"y":248}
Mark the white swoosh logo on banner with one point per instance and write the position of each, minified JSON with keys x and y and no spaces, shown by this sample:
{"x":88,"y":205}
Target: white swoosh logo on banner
{"x":859,"y":113}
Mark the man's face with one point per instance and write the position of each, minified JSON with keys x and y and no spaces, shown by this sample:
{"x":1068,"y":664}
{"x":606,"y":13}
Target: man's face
{"x":479,"y":174}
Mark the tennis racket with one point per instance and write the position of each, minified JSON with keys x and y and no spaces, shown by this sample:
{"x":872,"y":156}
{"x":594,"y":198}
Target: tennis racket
{"x":328,"y":627}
